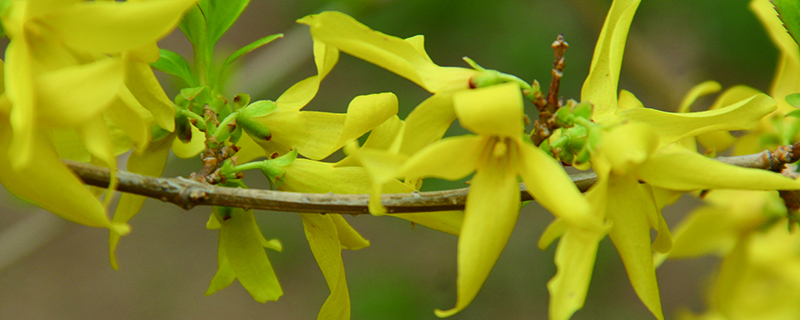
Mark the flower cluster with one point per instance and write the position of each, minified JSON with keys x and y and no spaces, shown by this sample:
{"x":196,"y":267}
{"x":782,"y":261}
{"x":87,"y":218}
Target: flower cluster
{"x":78,"y":85}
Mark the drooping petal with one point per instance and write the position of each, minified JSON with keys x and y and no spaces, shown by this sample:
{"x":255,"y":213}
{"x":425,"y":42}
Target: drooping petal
{"x":575,"y":256}
{"x":47,"y":183}
{"x":394,"y":54}
{"x":224,"y":275}
{"x":128,"y":116}
{"x":690,"y":171}
{"x":381,"y":138}
{"x":323,"y":239}
{"x":348,"y":237}
{"x":20,"y":92}
{"x":108,"y":26}
{"x":149,"y":162}
{"x":699,"y":90}
{"x":490,"y":215}
{"x":246,"y":256}
{"x":142,"y":84}
{"x":628,"y":205}
{"x":451,"y":158}
{"x":493,"y":110}
{"x":300,"y":94}
{"x":318,"y":134}
{"x":550,"y":185}
{"x":600,"y":87}
{"x":672,"y":127}
{"x":70,"y":96}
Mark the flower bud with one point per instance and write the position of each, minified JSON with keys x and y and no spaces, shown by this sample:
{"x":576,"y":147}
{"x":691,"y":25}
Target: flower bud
{"x":254,"y":128}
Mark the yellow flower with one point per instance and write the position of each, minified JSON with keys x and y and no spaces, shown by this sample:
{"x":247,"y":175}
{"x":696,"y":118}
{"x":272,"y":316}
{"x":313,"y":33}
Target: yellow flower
{"x":497,"y":155}
{"x":77,"y":80}
{"x":241,"y":255}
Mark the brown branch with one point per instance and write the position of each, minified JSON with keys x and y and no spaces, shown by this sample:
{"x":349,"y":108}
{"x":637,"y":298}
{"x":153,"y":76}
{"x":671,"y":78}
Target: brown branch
{"x":187,"y":193}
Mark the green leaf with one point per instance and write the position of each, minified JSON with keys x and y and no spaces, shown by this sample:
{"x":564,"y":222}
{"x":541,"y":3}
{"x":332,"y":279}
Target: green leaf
{"x":246,"y":49}
{"x":220,"y":15}
{"x":174,"y":64}
{"x":793,"y":99}
{"x":789,"y":12}
{"x":193,"y":26}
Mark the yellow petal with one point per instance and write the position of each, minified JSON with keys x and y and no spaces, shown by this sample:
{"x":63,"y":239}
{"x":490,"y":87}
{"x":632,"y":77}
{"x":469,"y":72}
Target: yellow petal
{"x":574,"y":259}
{"x":600,"y":87}
{"x":452,"y":158}
{"x":20,"y":92}
{"x":318,"y":134}
{"x":702,"y":89}
{"x":554,"y":230}
{"x":240,"y":237}
{"x":142,"y":83}
{"x":550,"y":185}
{"x":71,"y":95}
{"x":149,"y":162}
{"x":445,"y":221}
{"x":224,"y":275}
{"x":627,"y":209}
{"x":108,"y":26}
{"x":127,"y":115}
{"x":629,"y":145}
{"x":690,"y":171}
{"x":494,"y":110}
{"x":394,"y":54}
{"x":427,"y":123}
{"x":192,"y":148}
{"x":323,"y":239}
{"x":249,"y":151}
{"x":47,"y":183}
{"x":706,"y":230}
{"x":490,"y":215}
{"x":672,"y":127}
{"x":348,"y":237}
{"x":380,"y":138}
{"x":301,"y":93}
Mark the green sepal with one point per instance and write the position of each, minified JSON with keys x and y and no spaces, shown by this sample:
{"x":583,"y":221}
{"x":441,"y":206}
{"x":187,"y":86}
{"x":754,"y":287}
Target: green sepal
{"x":222,"y":213}
{"x":236,"y":134}
{"x":789,"y":13}
{"x":197,"y":97}
{"x":241,"y":100}
{"x":246,"y":49}
{"x":273,"y":168}
{"x":793,"y":113}
{"x":583,"y":110}
{"x":174,"y":64}
{"x":770,"y":139}
{"x":564,"y":117}
{"x":226,"y":127}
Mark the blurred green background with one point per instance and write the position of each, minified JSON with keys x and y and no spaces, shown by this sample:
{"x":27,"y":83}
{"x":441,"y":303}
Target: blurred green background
{"x":53,"y":269}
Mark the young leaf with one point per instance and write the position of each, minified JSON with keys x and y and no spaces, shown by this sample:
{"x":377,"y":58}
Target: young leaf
{"x":789,"y":12}
{"x":246,"y":49}
{"x":174,"y":64}
{"x":193,"y":26}
{"x":220,"y":15}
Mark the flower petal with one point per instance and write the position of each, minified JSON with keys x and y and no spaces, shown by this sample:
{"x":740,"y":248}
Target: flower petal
{"x":672,"y":127}
{"x":318,"y":134}
{"x":394,"y":54}
{"x":427,"y":123}
{"x":600,"y":87}
{"x":301,"y":93}
{"x":348,"y":237}
{"x":452,"y":158}
{"x":550,"y":185}
{"x":690,"y":171}
{"x":108,"y":26}
{"x":628,"y":207}
{"x":490,"y":215}
{"x":494,"y":110}
{"x":142,"y":83}
{"x":69,"y":96}
{"x":574,"y":259}
{"x":47,"y":183}
{"x":192,"y":148}
{"x":699,"y":90}
{"x":323,"y":239}
{"x":240,"y":237}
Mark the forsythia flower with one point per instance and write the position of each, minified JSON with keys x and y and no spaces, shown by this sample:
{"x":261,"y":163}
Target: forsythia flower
{"x":75,"y":91}
{"x":497,"y":155}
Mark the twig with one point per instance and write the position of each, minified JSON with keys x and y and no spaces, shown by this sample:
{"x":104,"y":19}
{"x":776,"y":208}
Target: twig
{"x":187,"y":193}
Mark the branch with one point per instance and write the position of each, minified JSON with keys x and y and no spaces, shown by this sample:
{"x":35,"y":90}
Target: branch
{"x":187,"y":193}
